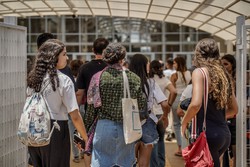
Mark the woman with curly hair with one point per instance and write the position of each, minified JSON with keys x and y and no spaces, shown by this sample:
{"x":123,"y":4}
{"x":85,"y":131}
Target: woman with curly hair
{"x":221,"y":98}
{"x":58,"y":92}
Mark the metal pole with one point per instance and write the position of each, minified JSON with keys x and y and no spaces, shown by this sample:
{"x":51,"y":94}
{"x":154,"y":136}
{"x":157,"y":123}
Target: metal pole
{"x":240,"y":119}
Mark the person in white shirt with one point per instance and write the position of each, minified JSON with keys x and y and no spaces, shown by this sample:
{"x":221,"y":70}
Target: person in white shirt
{"x":60,"y":97}
{"x":168,"y":72}
{"x":156,"y":73}
{"x":169,"y":68}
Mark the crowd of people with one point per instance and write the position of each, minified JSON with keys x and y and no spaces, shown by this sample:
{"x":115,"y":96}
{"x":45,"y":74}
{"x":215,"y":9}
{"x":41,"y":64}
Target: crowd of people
{"x":74,"y":106}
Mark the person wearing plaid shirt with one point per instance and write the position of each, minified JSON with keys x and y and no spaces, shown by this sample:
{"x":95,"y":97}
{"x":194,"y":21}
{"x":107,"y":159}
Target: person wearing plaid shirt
{"x":109,"y":148}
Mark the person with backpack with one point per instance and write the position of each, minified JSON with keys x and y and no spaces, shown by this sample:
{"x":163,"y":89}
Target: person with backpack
{"x":58,"y":92}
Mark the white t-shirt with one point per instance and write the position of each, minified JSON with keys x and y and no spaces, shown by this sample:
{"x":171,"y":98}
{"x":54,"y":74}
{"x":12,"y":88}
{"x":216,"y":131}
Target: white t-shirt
{"x":63,"y":100}
{"x":163,"y":84}
{"x":168,"y":73}
{"x":187,"y":93}
{"x":155,"y":95}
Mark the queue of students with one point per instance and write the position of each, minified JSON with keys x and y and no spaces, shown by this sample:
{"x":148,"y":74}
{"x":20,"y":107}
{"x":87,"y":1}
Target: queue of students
{"x":148,"y":84}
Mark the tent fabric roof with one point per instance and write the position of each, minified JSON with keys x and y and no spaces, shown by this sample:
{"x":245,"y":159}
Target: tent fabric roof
{"x":217,"y":17}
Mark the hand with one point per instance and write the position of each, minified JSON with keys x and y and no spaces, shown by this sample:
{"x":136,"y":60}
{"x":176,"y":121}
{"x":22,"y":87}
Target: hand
{"x":180,"y":112}
{"x":183,"y":130}
{"x":79,"y":146}
{"x":164,"y":121}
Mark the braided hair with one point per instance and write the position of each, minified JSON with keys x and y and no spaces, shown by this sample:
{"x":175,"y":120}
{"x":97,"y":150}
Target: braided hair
{"x":46,"y":62}
{"x":207,"y":55}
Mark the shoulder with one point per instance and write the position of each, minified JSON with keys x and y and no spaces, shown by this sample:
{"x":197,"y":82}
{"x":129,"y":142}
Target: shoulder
{"x":133,"y":76}
{"x":64,"y":79}
{"x":197,"y":75}
{"x":152,"y":83}
{"x":174,"y":75}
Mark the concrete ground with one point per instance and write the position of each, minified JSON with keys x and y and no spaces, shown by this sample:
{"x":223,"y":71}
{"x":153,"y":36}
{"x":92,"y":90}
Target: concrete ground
{"x":171,"y":159}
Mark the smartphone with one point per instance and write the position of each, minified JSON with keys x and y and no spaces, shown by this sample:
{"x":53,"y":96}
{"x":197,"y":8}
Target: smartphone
{"x":78,"y":139}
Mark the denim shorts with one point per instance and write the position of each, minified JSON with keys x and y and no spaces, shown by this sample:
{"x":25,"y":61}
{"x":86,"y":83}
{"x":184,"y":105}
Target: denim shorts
{"x":149,"y":132}
{"x":109,"y":148}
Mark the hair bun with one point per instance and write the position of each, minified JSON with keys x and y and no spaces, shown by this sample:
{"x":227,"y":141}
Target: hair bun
{"x":114,"y":52}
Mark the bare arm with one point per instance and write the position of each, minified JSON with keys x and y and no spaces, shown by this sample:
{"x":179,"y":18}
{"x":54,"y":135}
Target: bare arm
{"x":232,"y":108}
{"x":172,"y":94}
{"x":78,"y":123}
{"x":197,"y":95}
{"x":79,"y":96}
{"x":166,"y":109}
{"x":173,"y":79}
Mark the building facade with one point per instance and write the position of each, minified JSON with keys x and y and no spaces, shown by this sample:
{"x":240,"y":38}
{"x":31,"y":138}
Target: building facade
{"x":157,"y":40}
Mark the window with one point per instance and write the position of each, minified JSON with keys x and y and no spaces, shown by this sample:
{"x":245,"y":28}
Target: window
{"x":37,"y":25}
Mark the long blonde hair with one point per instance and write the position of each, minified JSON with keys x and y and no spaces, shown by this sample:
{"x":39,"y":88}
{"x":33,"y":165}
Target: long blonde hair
{"x":207,"y":55}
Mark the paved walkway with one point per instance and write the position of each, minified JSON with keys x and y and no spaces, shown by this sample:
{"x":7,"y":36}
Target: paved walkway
{"x":171,"y":159}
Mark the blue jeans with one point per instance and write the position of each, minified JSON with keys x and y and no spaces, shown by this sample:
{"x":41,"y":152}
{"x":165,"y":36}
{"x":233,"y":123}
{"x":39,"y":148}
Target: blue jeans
{"x":158,"y":152}
{"x":149,"y":132}
{"x":177,"y":120}
{"x":109,"y":147}
{"x":75,"y":150}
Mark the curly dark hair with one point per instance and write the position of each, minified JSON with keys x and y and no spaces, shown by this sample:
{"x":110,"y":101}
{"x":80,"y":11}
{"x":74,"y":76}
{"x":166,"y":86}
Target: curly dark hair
{"x":155,"y":68}
{"x":46,"y":62}
{"x":207,"y":55}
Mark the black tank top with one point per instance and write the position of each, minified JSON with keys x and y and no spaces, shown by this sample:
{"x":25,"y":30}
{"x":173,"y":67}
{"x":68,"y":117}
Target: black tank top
{"x":214,"y":118}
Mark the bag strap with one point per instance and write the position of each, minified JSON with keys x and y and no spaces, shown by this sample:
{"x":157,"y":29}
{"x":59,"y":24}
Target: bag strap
{"x":125,"y":85}
{"x":46,"y":84}
{"x":205,"y":100}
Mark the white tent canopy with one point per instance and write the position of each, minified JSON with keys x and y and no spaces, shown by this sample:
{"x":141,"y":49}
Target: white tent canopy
{"x":217,"y":17}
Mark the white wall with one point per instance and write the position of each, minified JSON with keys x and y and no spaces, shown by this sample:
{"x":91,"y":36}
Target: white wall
{"x":12,"y":93}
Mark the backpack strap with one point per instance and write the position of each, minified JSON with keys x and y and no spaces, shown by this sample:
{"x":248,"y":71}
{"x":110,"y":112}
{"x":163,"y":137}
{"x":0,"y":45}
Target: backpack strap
{"x":45,"y":85}
{"x":55,"y":123}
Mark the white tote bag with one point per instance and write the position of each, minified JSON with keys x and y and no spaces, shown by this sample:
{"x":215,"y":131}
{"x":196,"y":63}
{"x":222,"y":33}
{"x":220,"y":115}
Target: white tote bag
{"x":131,"y":119}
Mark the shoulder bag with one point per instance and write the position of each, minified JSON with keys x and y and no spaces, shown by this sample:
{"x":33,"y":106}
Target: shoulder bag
{"x":197,"y":154}
{"x":132,"y":129}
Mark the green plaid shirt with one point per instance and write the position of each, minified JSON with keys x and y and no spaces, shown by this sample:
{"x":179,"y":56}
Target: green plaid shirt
{"x":111,"y":91}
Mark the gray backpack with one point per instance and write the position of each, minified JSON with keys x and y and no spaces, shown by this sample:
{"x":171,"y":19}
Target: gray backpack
{"x":35,"y":123}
